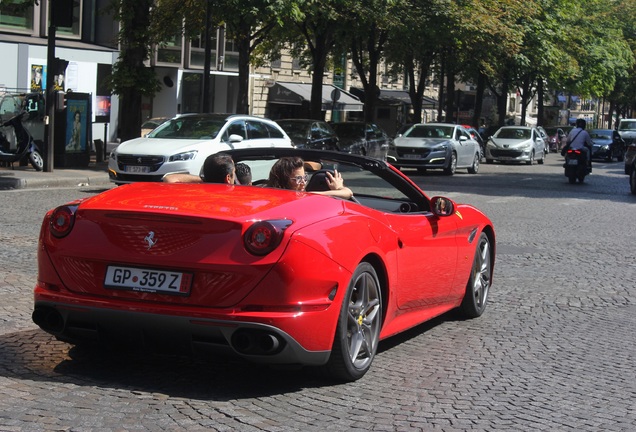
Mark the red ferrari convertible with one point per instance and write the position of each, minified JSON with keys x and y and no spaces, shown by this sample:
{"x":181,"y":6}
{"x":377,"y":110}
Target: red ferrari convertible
{"x":272,"y":275}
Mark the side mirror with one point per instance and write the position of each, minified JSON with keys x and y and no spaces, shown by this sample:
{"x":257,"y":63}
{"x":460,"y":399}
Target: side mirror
{"x":463,"y":138}
{"x":234,"y":138}
{"x":442,"y":206}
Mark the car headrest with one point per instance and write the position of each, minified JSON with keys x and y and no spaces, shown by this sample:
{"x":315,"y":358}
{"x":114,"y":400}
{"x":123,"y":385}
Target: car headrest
{"x":318,"y":181}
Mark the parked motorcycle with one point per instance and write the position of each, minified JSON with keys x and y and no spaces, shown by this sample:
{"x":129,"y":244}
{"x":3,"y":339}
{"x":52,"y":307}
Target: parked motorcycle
{"x":576,"y":166}
{"x":25,"y":144}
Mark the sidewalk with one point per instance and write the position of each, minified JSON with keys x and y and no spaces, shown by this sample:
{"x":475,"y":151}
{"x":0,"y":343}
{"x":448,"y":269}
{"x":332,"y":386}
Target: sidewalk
{"x":25,"y":177}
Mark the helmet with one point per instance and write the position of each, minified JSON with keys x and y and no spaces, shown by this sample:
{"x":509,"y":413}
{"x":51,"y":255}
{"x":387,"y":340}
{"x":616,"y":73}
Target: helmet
{"x":580,"y":123}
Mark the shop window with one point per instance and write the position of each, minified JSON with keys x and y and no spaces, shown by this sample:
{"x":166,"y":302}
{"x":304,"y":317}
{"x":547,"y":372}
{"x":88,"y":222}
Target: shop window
{"x":384,"y":113}
{"x":14,"y":15}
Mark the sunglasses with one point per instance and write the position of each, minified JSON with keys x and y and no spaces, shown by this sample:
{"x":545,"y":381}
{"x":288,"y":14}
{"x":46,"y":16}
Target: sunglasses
{"x":300,"y":179}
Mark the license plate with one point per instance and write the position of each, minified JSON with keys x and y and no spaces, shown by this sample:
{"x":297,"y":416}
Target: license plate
{"x":136,"y":169}
{"x":573,"y":162}
{"x":148,"y":280}
{"x":412,"y":156}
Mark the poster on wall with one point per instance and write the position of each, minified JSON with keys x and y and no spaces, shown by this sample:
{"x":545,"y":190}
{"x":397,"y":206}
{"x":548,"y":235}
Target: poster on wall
{"x":76,"y":114}
{"x":36,"y":78}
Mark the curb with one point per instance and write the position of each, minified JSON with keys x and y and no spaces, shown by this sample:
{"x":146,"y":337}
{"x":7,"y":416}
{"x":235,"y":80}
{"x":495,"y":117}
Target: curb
{"x":63,"y":178}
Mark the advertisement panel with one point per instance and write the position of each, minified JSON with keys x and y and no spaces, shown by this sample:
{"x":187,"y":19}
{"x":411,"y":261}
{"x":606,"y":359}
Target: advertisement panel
{"x":76,"y":125}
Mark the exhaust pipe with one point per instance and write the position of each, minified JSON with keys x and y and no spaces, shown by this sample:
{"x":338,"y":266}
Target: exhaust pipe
{"x":48,"y":319}
{"x":256,"y":342}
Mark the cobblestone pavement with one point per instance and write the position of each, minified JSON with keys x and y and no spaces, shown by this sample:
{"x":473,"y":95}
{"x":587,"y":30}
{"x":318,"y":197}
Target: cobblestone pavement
{"x":555,"y":350}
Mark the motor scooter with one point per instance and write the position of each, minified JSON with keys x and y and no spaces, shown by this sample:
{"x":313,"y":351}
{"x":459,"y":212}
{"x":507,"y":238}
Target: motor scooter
{"x":25,"y":144}
{"x":576,"y":166}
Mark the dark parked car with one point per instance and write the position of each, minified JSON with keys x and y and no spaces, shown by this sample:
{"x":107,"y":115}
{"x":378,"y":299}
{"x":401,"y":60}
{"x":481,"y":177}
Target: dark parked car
{"x":310,"y":134}
{"x":607,"y":144}
{"x":362,"y":138}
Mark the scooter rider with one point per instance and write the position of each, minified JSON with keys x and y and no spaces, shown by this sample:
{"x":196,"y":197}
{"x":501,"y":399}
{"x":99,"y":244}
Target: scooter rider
{"x":579,"y":139}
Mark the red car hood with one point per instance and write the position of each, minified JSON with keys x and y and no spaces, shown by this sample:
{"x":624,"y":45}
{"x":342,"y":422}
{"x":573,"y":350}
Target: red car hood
{"x":196,"y":229}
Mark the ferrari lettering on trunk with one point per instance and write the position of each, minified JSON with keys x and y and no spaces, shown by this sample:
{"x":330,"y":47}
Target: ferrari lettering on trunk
{"x":146,"y":280}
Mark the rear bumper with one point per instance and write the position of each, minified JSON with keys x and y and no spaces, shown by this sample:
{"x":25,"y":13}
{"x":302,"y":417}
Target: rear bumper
{"x":179,"y":334}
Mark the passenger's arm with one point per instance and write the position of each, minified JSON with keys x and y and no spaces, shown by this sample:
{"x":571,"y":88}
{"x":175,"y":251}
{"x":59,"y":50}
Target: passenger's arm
{"x":181,"y":178}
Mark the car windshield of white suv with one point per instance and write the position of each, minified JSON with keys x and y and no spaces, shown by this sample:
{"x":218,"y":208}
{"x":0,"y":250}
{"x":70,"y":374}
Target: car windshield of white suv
{"x":189,"y":128}
{"x":627,"y":125}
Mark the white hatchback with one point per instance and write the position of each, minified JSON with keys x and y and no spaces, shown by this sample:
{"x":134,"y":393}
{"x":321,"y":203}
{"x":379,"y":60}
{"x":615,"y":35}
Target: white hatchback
{"x":182,"y":144}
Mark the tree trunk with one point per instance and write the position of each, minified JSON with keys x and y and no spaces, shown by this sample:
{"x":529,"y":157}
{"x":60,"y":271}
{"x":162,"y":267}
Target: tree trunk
{"x":450,"y":94}
{"x":134,"y":51}
{"x":479,"y":99}
{"x":540,"y":113}
{"x":440,"y":97}
{"x":319,"y":56}
{"x":243,"y":43}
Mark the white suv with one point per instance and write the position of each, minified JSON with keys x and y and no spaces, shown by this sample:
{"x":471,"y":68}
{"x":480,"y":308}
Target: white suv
{"x":627,"y":130}
{"x":182,"y":144}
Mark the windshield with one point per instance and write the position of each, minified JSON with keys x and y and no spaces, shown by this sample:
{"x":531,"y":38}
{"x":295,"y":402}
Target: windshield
{"x":513,"y":133}
{"x":605,"y":134}
{"x":295,"y":130}
{"x":627,"y":125}
{"x":429,"y":131}
{"x":189,"y":128}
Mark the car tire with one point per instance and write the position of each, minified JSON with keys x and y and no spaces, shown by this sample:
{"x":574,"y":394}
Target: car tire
{"x":474,"y":169}
{"x":490,"y":161}
{"x":632,"y":181}
{"x":452,"y":165}
{"x":358,"y":328}
{"x":531,"y":160}
{"x":476,"y":296}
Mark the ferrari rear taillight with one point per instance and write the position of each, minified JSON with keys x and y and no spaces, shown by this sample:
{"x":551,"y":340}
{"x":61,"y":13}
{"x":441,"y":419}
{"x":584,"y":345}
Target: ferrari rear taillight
{"x":62,"y":220}
{"x":264,"y":236}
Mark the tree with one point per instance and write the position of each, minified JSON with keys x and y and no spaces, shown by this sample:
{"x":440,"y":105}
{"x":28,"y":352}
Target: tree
{"x":367,"y":24}
{"x":130,"y":77}
{"x":317,"y":22}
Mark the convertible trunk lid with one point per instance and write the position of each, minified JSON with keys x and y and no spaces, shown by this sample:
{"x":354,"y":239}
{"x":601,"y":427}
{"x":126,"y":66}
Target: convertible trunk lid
{"x":189,"y":236}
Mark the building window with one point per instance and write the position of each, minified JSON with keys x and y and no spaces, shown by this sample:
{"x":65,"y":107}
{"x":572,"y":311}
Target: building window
{"x":197,"y":51}
{"x":296,"y":65}
{"x":231,"y":59}
{"x":276,"y":64}
{"x":76,"y":29}
{"x":170,"y":52}
{"x":15,"y":15}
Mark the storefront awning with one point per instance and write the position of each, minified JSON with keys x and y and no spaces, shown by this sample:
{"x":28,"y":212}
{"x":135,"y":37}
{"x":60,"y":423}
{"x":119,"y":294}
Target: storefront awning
{"x":396,"y":97}
{"x":295,"y":94}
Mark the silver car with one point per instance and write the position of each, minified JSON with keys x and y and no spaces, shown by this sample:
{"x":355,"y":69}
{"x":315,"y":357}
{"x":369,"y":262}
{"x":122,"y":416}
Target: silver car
{"x":516,"y":144}
{"x":443,"y":146}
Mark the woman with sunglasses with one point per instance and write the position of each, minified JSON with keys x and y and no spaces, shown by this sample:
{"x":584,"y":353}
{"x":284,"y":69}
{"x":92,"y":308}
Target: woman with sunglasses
{"x":289,"y":173}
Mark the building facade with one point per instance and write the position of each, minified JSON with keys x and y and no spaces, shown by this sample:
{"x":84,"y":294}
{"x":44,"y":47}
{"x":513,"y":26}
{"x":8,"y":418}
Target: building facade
{"x":277,"y":90}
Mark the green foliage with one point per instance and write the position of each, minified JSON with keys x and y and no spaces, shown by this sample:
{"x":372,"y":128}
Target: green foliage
{"x":584,"y":47}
